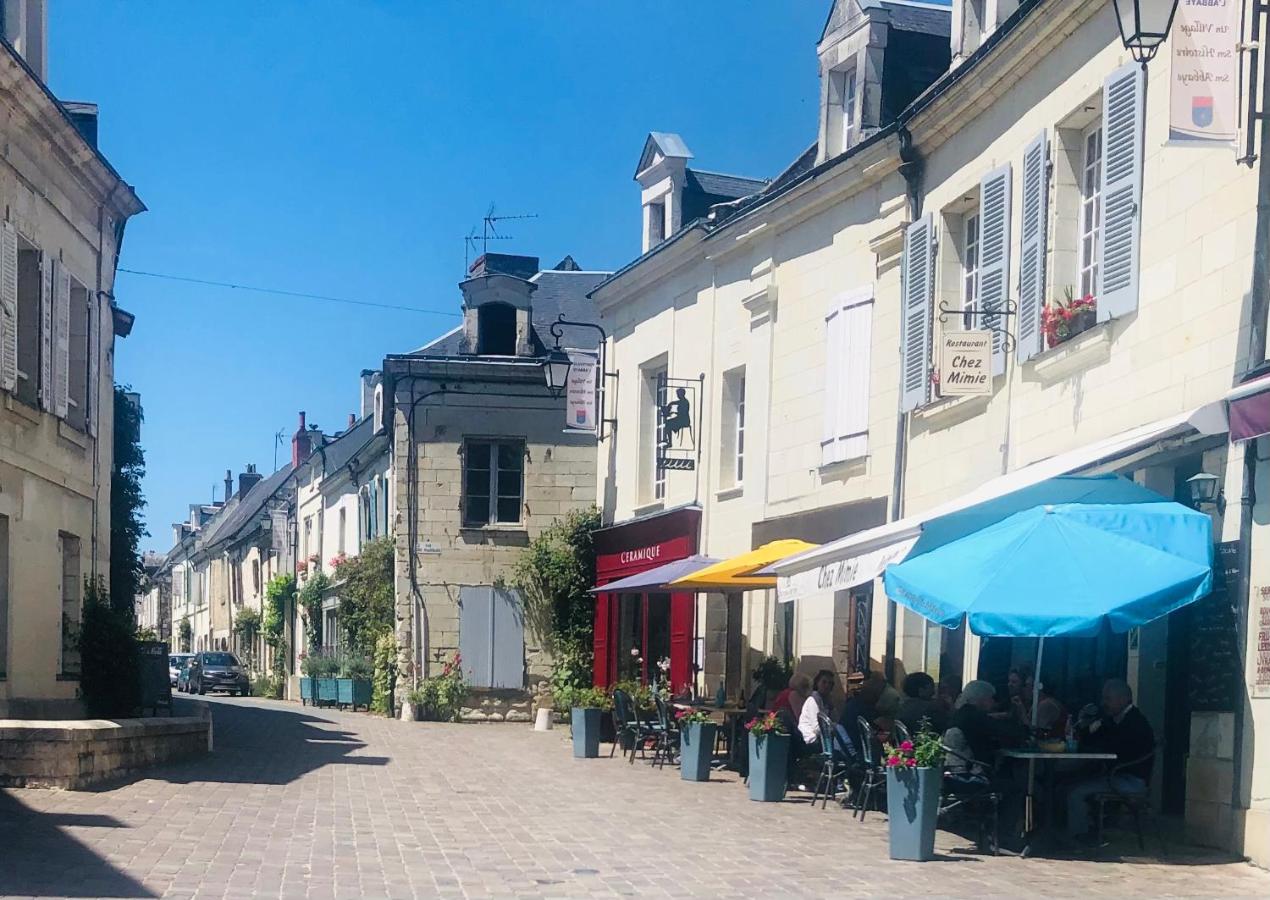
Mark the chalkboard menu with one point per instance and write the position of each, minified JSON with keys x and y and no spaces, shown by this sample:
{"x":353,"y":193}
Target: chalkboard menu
{"x":1216,"y":674}
{"x":156,"y":688}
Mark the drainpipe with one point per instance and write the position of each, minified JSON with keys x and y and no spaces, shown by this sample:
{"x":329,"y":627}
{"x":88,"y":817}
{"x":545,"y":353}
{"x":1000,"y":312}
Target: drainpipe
{"x":1259,"y":304}
{"x":912,"y":168}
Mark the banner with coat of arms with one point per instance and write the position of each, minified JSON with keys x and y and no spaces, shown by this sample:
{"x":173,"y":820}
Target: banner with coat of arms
{"x":1204,"y":100}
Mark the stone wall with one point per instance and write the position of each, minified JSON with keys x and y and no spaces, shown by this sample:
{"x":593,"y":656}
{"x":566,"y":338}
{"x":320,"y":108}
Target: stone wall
{"x":76,"y":755}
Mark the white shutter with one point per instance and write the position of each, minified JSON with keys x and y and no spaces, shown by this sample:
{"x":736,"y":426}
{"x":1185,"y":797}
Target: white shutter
{"x":61,"y":339}
{"x":917,"y":277}
{"x":853,"y":427}
{"x":46,"y":332}
{"x":8,"y":308}
{"x":1122,"y":128}
{"x":1032,"y":246}
{"x":994,"y":258}
{"x":94,"y":361}
{"x":833,"y":383}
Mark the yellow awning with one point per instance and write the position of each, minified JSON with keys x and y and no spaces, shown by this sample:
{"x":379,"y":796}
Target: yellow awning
{"x":735,"y":574}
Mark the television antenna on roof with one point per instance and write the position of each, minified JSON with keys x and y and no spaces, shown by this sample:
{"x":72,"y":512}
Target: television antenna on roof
{"x":489,"y":232}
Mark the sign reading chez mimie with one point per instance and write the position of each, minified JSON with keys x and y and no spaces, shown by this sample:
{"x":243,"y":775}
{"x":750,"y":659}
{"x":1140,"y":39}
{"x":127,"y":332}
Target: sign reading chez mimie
{"x":965,"y":364}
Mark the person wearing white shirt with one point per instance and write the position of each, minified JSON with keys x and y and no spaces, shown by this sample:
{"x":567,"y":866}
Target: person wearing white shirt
{"x":816,"y":705}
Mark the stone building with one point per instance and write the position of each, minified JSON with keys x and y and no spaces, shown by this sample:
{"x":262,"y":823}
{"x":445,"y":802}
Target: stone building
{"x":481,"y":465}
{"x":64,"y":210}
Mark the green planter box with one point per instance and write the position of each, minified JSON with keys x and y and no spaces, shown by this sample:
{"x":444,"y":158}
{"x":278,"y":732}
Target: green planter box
{"x":696,"y":750}
{"x":328,"y":690}
{"x":769,"y":758}
{"x":308,"y":690}
{"x":586,"y":732}
{"x":353,"y":692}
{"x":912,"y":805}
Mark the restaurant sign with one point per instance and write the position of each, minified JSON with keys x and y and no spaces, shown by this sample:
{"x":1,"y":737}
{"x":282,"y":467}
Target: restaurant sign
{"x":581,"y":391}
{"x":1203,"y":100}
{"x":841,"y":574}
{"x":965,"y":364}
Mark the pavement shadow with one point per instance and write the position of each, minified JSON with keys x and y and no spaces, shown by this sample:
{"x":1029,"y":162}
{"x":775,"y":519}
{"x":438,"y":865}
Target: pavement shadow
{"x":39,"y":859}
{"x":266,"y":744}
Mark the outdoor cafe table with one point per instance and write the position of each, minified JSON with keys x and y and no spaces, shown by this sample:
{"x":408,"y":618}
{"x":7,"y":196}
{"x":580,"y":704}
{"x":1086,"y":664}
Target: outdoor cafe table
{"x":1047,"y":758}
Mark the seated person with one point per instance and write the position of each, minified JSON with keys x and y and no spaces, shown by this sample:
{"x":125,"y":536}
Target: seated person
{"x":815,"y":706}
{"x":1123,"y":730}
{"x":788,"y":704}
{"x":976,"y":734}
{"x":919,"y":703}
{"x":984,"y":734}
{"x":863,"y":703}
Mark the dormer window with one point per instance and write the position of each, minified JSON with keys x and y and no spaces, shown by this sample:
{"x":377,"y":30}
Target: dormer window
{"x":656,"y":223}
{"x":496,"y":330}
{"x":848,"y":108}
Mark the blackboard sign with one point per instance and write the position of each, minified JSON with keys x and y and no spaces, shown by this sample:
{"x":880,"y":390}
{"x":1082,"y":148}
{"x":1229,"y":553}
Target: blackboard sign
{"x":1216,"y":674}
{"x":156,"y":686}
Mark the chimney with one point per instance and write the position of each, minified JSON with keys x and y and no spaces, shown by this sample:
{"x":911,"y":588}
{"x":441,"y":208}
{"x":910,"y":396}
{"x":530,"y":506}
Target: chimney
{"x":229,"y":485}
{"x":352,"y":419}
{"x":525,"y":267}
{"x":248,"y":480}
{"x":370,"y":379}
{"x":301,"y":443}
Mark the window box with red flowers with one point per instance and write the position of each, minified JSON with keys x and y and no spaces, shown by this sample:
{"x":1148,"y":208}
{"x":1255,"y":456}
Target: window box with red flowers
{"x":1063,"y":320}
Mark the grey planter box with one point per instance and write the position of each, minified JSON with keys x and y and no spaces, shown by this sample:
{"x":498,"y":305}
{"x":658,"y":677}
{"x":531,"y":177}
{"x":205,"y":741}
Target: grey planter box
{"x":912,"y":805}
{"x":586,"y":732}
{"x":769,"y":757}
{"x":696,"y":750}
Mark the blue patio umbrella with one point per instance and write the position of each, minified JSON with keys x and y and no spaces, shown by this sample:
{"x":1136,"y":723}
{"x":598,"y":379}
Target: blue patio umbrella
{"x":1061,"y":570}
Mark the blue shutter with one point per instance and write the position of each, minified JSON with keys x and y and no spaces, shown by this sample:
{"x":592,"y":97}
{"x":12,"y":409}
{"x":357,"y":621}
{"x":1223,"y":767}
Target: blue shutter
{"x":994,"y":258}
{"x":917,"y":284}
{"x":1032,"y":246}
{"x":1122,"y":129}
{"x":476,"y":623}
{"x":508,"y":641}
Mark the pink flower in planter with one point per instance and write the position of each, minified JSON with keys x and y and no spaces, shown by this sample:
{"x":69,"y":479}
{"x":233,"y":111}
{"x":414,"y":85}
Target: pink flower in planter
{"x":910,"y":762}
{"x":906,"y":746}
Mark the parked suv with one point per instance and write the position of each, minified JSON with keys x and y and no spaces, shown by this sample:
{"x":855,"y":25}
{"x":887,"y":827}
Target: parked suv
{"x":176,"y":662}
{"x":218,"y":671}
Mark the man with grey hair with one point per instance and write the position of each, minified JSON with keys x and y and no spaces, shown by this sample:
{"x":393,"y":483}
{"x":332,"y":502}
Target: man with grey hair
{"x":1124,"y":731}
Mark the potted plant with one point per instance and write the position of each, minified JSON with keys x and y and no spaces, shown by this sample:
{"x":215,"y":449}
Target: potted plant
{"x":308,"y":681}
{"x":588,"y":709}
{"x":327,"y":670}
{"x":697,"y":734}
{"x":769,"y":756}
{"x":353,"y":687}
{"x":772,"y":676}
{"x":914,"y":776}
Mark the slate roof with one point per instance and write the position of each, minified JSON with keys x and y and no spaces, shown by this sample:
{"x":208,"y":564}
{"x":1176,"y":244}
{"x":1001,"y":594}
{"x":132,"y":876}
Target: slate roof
{"x":342,"y":449}
{"x":926,"y":16}
{"x":558,"y":292}
{"x":242,"y":511}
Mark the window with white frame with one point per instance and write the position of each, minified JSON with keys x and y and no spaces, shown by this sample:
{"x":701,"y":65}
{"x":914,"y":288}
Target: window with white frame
{"x":848,"y":108}
{"x":1090,"y":198}
{"x":969,"y":246}
{"x":493,"y":482}
{"x":339,"y":538}
{"x":656,"y":223}
{"x":732,"y":429}
{"x":659,"y":471}
{"x":652,"y":398}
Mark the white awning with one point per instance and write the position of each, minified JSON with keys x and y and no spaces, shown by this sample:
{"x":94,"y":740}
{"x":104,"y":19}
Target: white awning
{"x":859,"y":558}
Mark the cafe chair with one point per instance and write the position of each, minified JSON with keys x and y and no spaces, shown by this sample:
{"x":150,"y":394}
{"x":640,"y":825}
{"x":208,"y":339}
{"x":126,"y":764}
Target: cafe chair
{"x":833,"y":768}
{"x":872,"y":773}
{"x":1135,"y":803}
{"x":967,"y":795}
{"x":900,"y":732}
{"x":667,"y":734}
{"x":646,"y":731}
{"x":626,"y":725}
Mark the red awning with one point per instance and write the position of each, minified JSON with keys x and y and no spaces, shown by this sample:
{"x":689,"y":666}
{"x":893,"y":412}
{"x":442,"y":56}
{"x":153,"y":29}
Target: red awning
{"x":1249,"y":410}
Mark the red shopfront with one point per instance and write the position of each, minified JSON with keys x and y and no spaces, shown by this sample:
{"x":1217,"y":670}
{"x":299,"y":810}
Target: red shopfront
{"x":657,"y":624}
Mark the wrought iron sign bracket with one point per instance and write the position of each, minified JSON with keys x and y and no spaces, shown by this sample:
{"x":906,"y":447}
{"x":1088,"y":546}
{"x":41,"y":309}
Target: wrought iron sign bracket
{"x":601,"y":389}
{"x":982,"y":316}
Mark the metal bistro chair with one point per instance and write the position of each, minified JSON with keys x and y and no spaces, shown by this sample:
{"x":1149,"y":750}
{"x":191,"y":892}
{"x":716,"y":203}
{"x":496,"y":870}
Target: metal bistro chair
{"x":626,"y":724}
{"x":967,"y":793}
{"x":667,"y":734}
{"x":901,"y":732}
{"x":873,"y":774}
{"x":646,"y":730}
{"x":833,"y":768}
{"x":1136,"y":804}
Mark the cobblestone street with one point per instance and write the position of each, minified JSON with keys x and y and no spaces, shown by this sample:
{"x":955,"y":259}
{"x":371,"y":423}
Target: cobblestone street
{"x":304,"y":803}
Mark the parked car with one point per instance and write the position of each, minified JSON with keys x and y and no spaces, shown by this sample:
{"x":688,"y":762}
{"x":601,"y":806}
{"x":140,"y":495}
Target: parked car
{"x":183,"y":675}
{"x":176,"y":662}
{"x":218,"y":671}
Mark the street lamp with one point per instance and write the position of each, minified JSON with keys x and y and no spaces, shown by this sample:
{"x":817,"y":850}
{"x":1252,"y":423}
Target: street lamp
{"x":1205,"y":488}
{"x":1144,"y":24}
{"x":555,"y":367}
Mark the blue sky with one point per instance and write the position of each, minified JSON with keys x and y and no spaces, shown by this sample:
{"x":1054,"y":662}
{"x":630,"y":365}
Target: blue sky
{"x":346,"y":149}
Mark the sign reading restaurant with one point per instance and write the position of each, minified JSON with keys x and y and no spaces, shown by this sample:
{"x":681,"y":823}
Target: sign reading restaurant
{"x":965,"y":364}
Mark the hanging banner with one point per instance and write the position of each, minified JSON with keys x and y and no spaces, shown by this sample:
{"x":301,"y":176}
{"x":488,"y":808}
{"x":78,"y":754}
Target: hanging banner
{"x":965,"y":364}
{"x":1204,"y":103}
{"x":1259,"y":623}
{"x":581,"y":399}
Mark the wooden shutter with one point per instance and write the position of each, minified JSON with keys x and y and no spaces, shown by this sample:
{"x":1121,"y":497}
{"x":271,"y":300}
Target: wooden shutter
{"x":994,"y":258}
{"x":61,"y":340}
{"x":476,"y":607}
{"x":1122,"y":129}
{"x":1032,"y":246}
{"x":833,"y":382}
{"x":46,"y":331}
{"x":853,"y":422}
{"x":507,"y":641}
{"x":8,"y":308}
{"x":93,"y":393}
{"x":917,"y":278}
